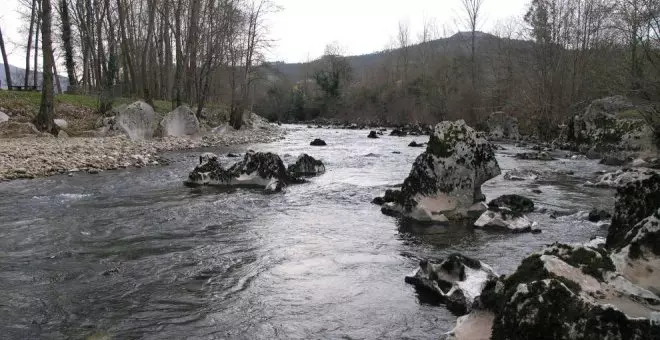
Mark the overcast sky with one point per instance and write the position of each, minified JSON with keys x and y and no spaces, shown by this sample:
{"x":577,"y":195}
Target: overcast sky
{"x":301,"y":29}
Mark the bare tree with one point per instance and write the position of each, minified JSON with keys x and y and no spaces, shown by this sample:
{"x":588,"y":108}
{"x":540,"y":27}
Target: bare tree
{"x":472,"y":9}
{"x":44,"y":119}
{"x":33,"y":10}
{"x":4,"y":59}
{"x":67,"y":43}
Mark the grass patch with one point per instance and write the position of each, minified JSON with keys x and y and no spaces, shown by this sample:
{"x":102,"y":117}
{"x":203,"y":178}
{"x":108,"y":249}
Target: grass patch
{"x":629,"y":114}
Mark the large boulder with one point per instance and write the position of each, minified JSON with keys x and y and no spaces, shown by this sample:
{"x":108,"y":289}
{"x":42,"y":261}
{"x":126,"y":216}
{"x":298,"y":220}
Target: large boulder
{"x":572,"y":292}
{"x":3,"y":117}
{"x":611,"y":121}
{"x":457,"y":280}
{"x":373,"y":134}
{"x":139,"y":121}
{"x":502,"y":126}
{"x":306,"y":165}
{"x":445,"y":180}
{"x":265,"y":170}
{"x":636,"y":198}
{"x":180,"y":122}
{"x":637,"y":258}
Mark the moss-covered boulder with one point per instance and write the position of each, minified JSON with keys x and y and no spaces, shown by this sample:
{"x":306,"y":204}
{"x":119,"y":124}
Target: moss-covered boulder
{"x":549,"y":309}
{"x":613,"y":121}
{"x":572,"y":292}
{"x":637,"y":197}
{"x":638,"y":260}
{"x":445,"y":180}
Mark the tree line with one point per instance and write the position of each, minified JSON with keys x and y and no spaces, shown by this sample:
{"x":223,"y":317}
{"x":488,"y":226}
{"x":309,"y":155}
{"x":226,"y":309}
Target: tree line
{"x":184,"y":51}
{"x":543,"y":67}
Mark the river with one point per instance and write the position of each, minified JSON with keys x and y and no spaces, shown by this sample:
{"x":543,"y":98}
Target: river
{"x":135,"y":254}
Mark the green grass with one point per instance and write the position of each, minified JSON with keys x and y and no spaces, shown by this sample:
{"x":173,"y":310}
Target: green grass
{"x":27,"y":102}
{"x":630,"y":114}
{"x":79,"y":110}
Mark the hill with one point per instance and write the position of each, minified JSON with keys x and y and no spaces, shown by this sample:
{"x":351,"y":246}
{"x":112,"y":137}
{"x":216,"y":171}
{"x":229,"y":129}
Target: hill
{"x":18,"y":76}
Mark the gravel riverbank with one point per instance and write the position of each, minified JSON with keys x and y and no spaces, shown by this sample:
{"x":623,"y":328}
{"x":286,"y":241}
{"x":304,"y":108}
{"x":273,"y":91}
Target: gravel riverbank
{"x":32,"y":157}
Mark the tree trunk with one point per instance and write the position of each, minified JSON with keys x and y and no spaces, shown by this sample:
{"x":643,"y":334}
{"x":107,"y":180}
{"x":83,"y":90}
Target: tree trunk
{"x":58,"y":83}
{"x":68,"y":45}
{"x":36,"y":45}
{"x":146,"y":80}
{"x":4,"y":59}
{"x":125,"y":49}
{"x":44,"y":120}
{"x":29,"y":43}
{"x":177,"y":99}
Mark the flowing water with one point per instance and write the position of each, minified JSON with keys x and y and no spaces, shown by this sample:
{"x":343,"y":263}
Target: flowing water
{"x":135,"y":254}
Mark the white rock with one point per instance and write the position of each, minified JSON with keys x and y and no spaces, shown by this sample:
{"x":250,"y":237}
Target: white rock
{"x":180,"y":122}
{"x":61,"y":123}
{"x":493,"y":219}
{"x":3,"y":117}
{"x":138,"y":121}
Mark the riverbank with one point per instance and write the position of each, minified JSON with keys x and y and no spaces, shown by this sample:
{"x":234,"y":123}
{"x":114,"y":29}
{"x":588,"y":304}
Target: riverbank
{"x":32,"y":157}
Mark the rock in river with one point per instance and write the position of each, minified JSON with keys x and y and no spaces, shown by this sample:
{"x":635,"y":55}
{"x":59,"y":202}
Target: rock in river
{"x":306,"y":165}
{"x":372,"y":134}
{"x":445,"y":180}
{"x":259,"y":169}
{"x":507,"y":213}
{"x":318,"y":142}
{"x":456,"y":280}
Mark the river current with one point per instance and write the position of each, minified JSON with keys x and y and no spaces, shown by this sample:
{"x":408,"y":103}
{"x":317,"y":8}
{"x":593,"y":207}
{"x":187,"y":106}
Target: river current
{"x":135,"y":254}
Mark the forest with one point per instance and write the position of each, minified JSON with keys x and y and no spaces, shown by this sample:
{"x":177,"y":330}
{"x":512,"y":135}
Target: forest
{"x":183,"y":51}
{"x":543,"y":67}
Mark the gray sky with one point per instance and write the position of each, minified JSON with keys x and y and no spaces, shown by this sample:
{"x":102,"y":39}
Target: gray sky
{"x":301,"y":29}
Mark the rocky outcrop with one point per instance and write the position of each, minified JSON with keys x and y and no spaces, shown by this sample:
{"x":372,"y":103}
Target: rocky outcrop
{"x":502,"y":126}
{"x":637,"y":258}
{"x":507,"y":213}
{"x":139,"y":121}
{"x":257,"y":169}
{"x":637,"y":197}
{"x":305,"y":166}
{"x":613,"y":121}
{"x":373,"y":134}
{"x":180,"y":122}
{"x":572,"y":292}
{"x":620,"y":177}
{"x":318,"y":142}
{"x":445,"y":180}
{"x":457,"y":280}
{"x":598,"y":290}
